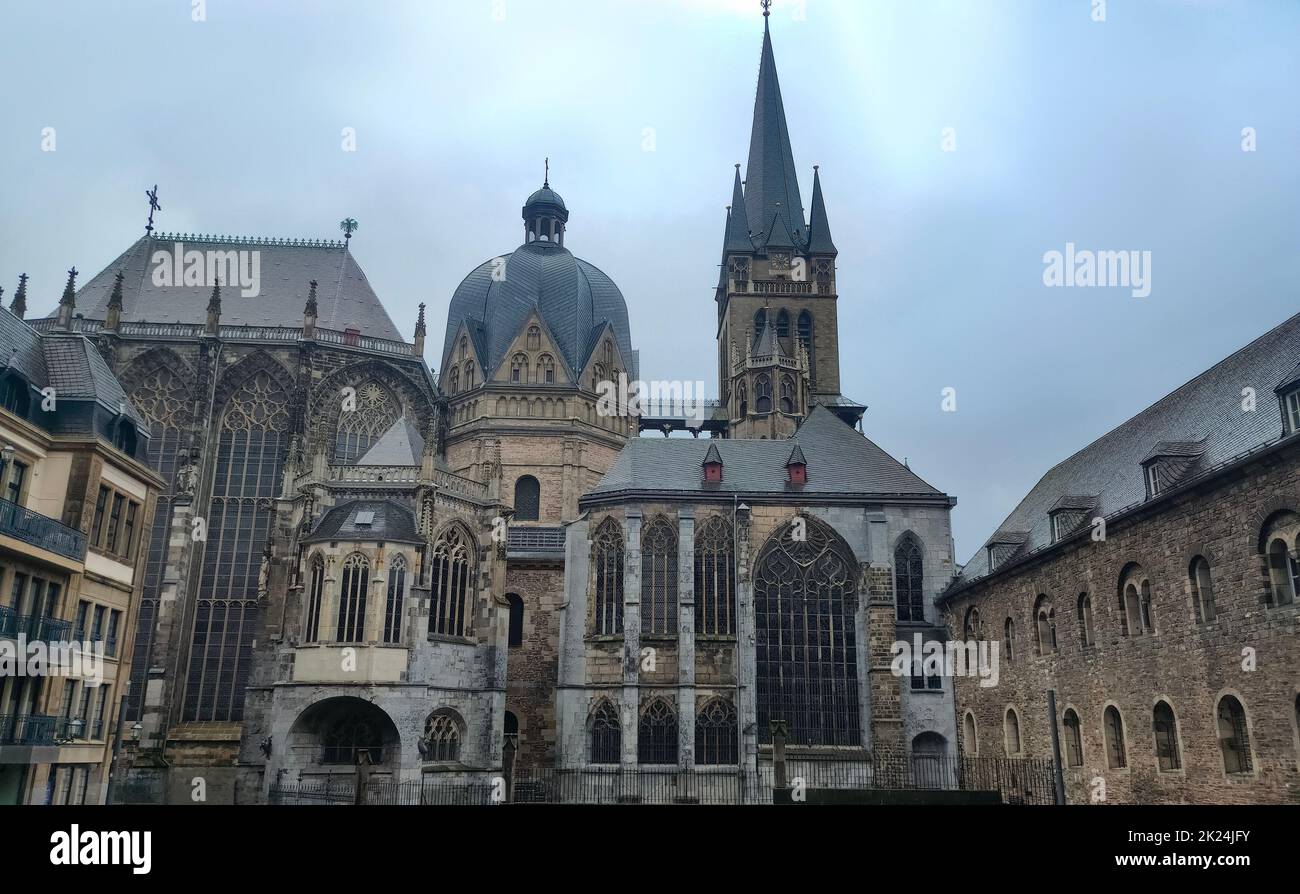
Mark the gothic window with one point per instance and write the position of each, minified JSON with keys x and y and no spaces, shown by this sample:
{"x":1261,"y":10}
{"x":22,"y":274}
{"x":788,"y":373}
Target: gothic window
{"x":1073,"y":739}
{"x":1044,"y":625}
{"x":970,"y":740}
{"x":787,"y":395}
{"x":251,"y":443}
{"x":715,"y":579}
{"x":315,"y":593}
{"x":1165,"y":727}
{"x":351,"y":626}
{"x":393,"y":605}
{"x":344,"y":740}
{"x":805,"y":640}
{"x":519,"y":368}
{"x":528,"y":498}
{"x":607,"y":563}
{"x":659,"y":578}
{"x":1086,"y":633}
{"x":546,"y":369}
{"x":1202,"y":590}
{"x":1116,"y":754}
{"x":606,"y":734}
{"x":805,"y":333}
{"x":760,"y":321}
{"x":464,"y":347}
{"x":1134,"y":602}
{"x":1234,"y":740}
{"x":1011,"y":733}
{"x":163,"y":400}
{"x":365,"y":414}
{"x":516,"y":627}
{"x":783,"y":325}
{"x":453,"y":381}
{"x":442,"y":738}
{"x":717,"y":735}
{"x":742,"y":399}
{"x":469,"y":375}
{"x":1009,"y":639}
{"x":454,"y":559}
{"x":763,"y":394}
{"x":908,"y":580}
{"x":656,"y":734}
{"x":971,"y":627}
{"x":534,"y":338}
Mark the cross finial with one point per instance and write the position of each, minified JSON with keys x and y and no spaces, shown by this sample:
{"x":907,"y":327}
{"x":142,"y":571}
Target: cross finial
{"x":767,"y":6}
{"x":153,"y":206}
{"x":546,"y":180}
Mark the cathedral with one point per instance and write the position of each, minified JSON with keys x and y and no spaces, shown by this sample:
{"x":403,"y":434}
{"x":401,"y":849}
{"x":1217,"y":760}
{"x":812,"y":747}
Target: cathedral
{"x":356,"y":561}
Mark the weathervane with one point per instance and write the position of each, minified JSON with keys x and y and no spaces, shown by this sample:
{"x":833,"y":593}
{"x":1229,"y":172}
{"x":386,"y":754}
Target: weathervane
{"x":546,"y":180}
{"x":153,"y":206}
{"x":348,"y":226}
{"x":767,"y":6}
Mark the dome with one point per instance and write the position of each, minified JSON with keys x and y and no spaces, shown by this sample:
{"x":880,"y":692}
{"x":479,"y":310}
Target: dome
{"x":543,"y":201}
{"x":574,"y":299}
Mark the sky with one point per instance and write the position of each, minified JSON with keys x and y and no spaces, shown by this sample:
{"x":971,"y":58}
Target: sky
{"x":958,"y":142}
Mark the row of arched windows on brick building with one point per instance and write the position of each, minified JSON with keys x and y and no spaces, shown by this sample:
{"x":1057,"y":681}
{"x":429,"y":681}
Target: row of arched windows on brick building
{"x":717,"y":735}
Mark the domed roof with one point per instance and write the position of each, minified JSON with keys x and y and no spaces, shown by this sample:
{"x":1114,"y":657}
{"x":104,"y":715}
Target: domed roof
{"x":546,"y":196}
{"x":574,"y":298}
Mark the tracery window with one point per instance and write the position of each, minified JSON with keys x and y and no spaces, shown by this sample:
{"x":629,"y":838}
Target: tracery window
{"x":805,"y":638}
{"x":607,"y":563}
{"x":364,"y":416}
{"x":763,"y":394}
{"x":519,"y":368}
{"x":972,"y":627}
{"x":469,"y":375}
{"x":717,"y":734}
{"x":393,"y":605}
{"x":454,"y":560}
{"x":315,"y":594}
{"x":659,"y":578}
{"x":534,"y":338}
{"x":442,"y":738}
{"x":606,"y":734}
{"x":783,"y":324}
{"x":351,"y":626}
{"x":656,"y":735}
{"x":909,"y":580}
{"x":742,"y":398}
{"x":787,"y":395}
{"x":251,"y":443}
{"x":805,"y":332}
{"x":546,"y":369}
{"x":715,"y":578}
{"x":1234,"y":740}
{"x":1116,"y":755}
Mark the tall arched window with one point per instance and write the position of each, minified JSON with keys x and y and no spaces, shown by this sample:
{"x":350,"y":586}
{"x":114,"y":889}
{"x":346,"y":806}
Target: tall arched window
{"x":1283,"y":569}
{"x":453,"y":381}
{"x":607,"y":565}
{"x":1202,"y":590}
{"x":783,"y":324}
{"x":606,"y":734}
{"x":970,"y":738}
{"x":1136,"y":617}
{"x":760,"y":322}
{"x":805,"y":332}
{"x":469,"y":375}
{"x":546,"y":369}
{"x":1084,"y":610}
{"x":715,"y":579}
{"x":528,"y":499}
{"x":396,"y":598}
{"x":1073,"y":739}
{"x":717,"y":735}
{"x":534,"y":338}
{"x":742,"y":398}
{"x":251,"y":443}
{"x":787,"y":395}
{"x":364,"y":415}
{"x":1165,"y":727}
{"x":908,"y":580}
{"x":763,"y":394}
{"x":659,"y":578}
{"x":805,"y":596}
{"x":973,"y":627}
{"x":455,"y":558}
{"x":1234,"y":740}
{"x":1045,"y":625}
{"x":351,"y":626}
{"x":1011,"y":732}
{"x":656,"y":734}
{"x":516,"y":627}
{"x":1116,"y":754}
{"x":519,"y":368}
{"x":315,"y":593}
{"x":1009,"y":639}
{"x":441,"y":738}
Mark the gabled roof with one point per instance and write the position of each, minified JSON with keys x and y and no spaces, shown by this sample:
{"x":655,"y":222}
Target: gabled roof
{"x":771,"y":184}
{"x":855,"y":466}
{"x":796,"y":457}
{"x":1204,"y":414}
{"x":713,"y":456}
{"x":285,"y":270}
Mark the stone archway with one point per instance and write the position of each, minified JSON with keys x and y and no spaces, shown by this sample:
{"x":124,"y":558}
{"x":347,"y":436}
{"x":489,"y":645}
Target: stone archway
{"x":330,"y":736}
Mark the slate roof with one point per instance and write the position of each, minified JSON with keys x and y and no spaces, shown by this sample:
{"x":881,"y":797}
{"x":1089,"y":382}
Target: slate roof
{"x":1207,"y":409}
{"x":68,"y":362}
{"x":345,"y":297}
{"x":574,"y":299}
{"x":772,"y":203}
{"x":840,"y":461}
{"x":391,"y":522}
{"x":401,"y":445}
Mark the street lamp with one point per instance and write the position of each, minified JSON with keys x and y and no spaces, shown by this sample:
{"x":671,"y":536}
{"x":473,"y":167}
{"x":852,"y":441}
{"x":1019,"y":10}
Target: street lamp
{"x":6,"y":457}
{"x":136,"y":729}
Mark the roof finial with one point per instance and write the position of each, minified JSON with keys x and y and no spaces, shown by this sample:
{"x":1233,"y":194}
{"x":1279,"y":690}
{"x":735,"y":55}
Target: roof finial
{"x":546,"y":179}
{"x":153,"y":206}
{"x":349,"y":226}
{"x":767,"y":9}
{"x":19,"y":306}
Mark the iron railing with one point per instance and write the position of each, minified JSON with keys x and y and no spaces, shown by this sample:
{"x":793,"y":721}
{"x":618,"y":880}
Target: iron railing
{"x":36,"y":628}
{"x":535,"y":540}
{"x":31,"y":527}
{"x":342,"y":791}
{"x":26,"y":729}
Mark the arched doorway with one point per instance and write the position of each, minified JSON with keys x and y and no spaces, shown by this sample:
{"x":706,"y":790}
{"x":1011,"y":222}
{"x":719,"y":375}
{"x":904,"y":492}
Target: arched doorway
{"x":805,"y":587}
{"x":332,"y":735}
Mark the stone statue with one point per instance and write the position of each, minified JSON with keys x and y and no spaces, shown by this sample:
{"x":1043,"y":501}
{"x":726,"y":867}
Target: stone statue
{"x":187,"y":476}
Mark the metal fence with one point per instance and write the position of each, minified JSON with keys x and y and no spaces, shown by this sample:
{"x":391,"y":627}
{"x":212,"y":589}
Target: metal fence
{"x":342,"y":791}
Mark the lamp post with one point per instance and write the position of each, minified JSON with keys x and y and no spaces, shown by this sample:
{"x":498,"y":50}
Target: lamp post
{"x":6,"y":458}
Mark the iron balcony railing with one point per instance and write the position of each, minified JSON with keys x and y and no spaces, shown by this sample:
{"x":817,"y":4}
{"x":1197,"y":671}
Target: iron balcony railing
{"x":26,"y":729}
{"x":33,"y":627}
{"x":535,"y":540}
{"x":41,"y":530}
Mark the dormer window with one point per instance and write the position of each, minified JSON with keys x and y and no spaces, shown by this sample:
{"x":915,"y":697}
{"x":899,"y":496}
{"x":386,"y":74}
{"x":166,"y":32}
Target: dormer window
{"x":1003,"y":546}
{"x":796,"y":467}
{"x":15,"y":394}
{"x":712,"y":465}
{"x":1153,"y":479}
{"x":124,"y":437}
{"x":1291,"y":404}
{"x":1168,"y":463}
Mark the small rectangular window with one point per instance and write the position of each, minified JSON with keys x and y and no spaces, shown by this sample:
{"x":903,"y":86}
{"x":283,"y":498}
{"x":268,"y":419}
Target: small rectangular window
{"x":97,"y":529}
{"x":114,"y":524}
{"x":1153,"y":481}
{"x":128,"y":529}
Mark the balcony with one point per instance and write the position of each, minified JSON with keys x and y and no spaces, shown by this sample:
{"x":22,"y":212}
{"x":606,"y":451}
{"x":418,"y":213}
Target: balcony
{"x":35,"y":628}
{"x":27,"y":729}
{"x":538,"y":540}
{"x":41,"y":531}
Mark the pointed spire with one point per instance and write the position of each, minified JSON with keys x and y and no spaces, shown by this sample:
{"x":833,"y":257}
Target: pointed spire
{"x":819,"y":230}
{"x":796,"y":467}
{"x":420,"y":332}
{"x":68,"y":303}
{"x":114,"y":315}
{"x":311,"y":310}
{"x":213,"y":325}
{"x":737,"y":238}
{"x":19,"y":307}
{"x":770,"y":174}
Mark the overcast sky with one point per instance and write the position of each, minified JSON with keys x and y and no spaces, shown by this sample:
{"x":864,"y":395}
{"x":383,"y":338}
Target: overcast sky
{"x":1118,"y":135}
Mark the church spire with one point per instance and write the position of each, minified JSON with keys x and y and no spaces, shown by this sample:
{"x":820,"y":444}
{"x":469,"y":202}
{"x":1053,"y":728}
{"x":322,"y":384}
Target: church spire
{"x":771,"y":185}
{"x":68,"y":303}
{"x":737,"y":238}
{"x":819,"y":230}
{"x":19,"y":307}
